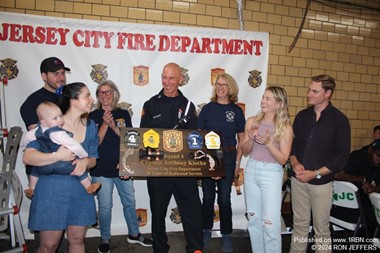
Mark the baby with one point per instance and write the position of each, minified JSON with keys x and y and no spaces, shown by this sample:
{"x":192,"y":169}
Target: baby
{"x":51,"y":136}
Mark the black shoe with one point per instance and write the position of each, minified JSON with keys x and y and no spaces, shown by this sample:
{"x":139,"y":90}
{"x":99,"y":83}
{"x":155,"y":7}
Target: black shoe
{"x":104,"y":248}
{"x":140,"y":239}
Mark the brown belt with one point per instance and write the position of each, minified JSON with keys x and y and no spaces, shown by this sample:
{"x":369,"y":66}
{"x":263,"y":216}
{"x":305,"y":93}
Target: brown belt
{"x":229,"y":148}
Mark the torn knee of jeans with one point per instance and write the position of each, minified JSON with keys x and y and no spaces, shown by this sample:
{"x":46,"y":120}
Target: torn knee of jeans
{"x":248,"y":215}
{"x":267,"y":222}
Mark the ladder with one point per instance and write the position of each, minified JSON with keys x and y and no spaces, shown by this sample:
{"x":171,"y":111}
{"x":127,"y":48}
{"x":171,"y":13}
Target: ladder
{"x":11,"y":194}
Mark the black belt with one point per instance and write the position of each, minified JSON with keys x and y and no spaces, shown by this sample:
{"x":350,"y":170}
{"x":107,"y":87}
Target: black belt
{"x":229,"y":148}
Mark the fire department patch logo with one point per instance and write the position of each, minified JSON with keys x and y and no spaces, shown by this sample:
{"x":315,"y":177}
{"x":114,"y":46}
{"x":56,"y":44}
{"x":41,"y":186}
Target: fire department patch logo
{"x":185,"y":75}
{"x":216,"y":213}
{"x":8,"y":68}
{"x":254,"y":79}
{"x":140,"y":75}
{"x":142,"y":216}
{"x":215,"y":73}
{"x":99,"y":73}
{"x":172,"y":140}
{"x":242,"y":106}
{"x":175,"y":216}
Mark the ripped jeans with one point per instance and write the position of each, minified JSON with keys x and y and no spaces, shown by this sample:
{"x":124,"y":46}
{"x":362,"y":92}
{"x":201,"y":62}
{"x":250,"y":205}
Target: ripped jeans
{"x":263,"y":195}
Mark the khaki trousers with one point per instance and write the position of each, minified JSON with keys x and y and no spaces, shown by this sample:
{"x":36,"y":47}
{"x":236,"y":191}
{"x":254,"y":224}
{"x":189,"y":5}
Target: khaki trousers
{"x":311,"y":201}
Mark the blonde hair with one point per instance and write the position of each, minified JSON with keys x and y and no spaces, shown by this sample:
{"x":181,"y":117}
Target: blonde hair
{"x":115,"y":94}
{"x":232,"y":85}
{"x":282,"y":117}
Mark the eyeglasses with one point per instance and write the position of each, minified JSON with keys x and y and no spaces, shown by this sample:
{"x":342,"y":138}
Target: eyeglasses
{"x":106,"y":92}
{"x":221,"y":84}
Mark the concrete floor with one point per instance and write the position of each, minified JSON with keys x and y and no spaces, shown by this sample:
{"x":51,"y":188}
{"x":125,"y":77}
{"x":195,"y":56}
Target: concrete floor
{"x":177,"y":244}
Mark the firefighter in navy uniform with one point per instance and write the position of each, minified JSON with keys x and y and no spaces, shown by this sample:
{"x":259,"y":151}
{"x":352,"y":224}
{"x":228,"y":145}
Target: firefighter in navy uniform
{"x":171,"y":109}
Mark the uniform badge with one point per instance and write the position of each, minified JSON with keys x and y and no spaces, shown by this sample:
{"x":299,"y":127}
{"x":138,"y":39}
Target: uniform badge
{"x":132,"y":139}
{"x":172,"y":140}
{"x":142,"y":216}
{"x":175,"y":216}
{"x":215,"y":73}
{"x":99,"y":73}
{"x":151,"y":139}
{"x":8,"y":69}
{"x":185,"y":75}
{"x":254,"y":79}
{"x":212,"y":140}
{"x":120,"y":122}
{"x":194,"y":140}
{"x":140,"y":75}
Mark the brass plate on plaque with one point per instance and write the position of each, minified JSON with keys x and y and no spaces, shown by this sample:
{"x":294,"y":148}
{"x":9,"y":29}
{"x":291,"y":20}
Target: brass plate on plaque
{"x":171,"y":156}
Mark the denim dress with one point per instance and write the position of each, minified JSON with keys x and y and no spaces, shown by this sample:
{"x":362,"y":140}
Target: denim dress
{"x":61,"y":200}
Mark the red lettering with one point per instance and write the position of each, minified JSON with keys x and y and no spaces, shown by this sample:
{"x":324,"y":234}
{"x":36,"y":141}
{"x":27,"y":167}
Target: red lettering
{"x":258,"y":44}
{"x":227,"y":46}
{"x":164,"y":43}
{"x":4,"y":34}
{"x":27,"y":33}
{"x":206,"y":45}
{"x":15,"y":33}
{"x":121,"y":39}
{"x":50,"y":36}
{"x":150,"y":42}
{"x":237,"y":48}
{"x":186,"y":41}
{"x":216,"y":42}
{"x":195,"y":47}
{"x":77,"y":42}
{"x":175,"y":44}
{"x":40,"y":35}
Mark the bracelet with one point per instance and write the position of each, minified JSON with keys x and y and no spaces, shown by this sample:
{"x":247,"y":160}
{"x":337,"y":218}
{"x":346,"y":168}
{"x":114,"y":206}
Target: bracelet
{"x":237,"y":163}
{"x":55,"y":158}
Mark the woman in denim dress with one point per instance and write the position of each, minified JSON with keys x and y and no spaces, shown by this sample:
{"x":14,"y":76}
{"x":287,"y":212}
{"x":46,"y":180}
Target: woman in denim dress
{"x":60,"y":202}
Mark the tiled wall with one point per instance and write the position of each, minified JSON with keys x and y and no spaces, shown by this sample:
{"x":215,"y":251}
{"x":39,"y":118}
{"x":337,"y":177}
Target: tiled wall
{"x":337,"y":41}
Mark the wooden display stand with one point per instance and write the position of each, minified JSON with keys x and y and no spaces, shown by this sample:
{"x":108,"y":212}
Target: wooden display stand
{"x":146,"y":152}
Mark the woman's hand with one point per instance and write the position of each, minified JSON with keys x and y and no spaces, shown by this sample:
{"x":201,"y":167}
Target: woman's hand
{"x":110,"y":122}
{"x":64,"y":154}
{"x":253,"y":132}
{"x":80,"y":167}
{"x":108,"y":118}
{"x":263,"y":140}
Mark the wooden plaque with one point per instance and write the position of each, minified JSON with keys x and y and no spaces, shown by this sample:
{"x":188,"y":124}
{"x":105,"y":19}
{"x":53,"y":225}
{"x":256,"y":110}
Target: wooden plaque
{"x":146,"y":152}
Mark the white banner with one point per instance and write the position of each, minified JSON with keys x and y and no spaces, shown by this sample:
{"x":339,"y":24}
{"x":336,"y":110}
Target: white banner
{"x":132,"y":55}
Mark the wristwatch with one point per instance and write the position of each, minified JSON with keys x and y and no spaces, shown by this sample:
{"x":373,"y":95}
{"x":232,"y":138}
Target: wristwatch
{"x":318,"y":174}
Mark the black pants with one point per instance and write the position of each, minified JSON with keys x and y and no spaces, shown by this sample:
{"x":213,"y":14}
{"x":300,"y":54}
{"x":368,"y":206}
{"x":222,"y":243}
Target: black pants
{"x":186,"y":195}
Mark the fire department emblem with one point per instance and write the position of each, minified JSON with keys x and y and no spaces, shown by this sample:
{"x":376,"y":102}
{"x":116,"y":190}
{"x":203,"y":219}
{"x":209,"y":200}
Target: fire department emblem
{"x":215,"y":73}
{"x":8,"y":69}
{"x":172,"y":140}
{"x":141,"y":75}
{"x":254,"y":79}
{"x":216,"y":213}
{"x":99,"y":73}
{"x":142,"y":216}
{"x":242,"y":106}
{"x":185,"y":75}
{"x":175,"y":216}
